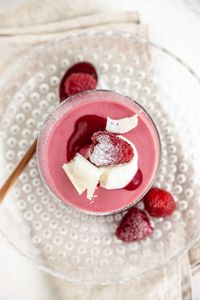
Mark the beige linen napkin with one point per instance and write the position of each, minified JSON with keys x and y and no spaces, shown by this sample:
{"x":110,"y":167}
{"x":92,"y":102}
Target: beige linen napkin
{"x":34,"y":23}
{"x":16,"y":41}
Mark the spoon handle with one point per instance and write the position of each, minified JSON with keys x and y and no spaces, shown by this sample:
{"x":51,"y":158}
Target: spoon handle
{"x":17,"y":171}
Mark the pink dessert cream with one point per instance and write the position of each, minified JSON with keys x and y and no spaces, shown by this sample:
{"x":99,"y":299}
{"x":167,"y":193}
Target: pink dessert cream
{"x":99,"y":152}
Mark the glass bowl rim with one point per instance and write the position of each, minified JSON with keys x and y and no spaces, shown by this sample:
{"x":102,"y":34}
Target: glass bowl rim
{"x":130,"y":99}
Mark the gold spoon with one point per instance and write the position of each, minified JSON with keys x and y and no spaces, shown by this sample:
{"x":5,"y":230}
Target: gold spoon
{"x":17,"y":171}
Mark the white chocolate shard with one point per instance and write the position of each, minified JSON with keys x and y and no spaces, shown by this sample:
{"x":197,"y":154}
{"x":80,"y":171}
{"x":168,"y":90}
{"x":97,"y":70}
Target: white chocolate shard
{"x":122,"y":125}
{"x":83,"y":175}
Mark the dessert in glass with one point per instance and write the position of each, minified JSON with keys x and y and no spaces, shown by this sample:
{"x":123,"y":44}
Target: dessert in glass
{"x":99,"y":152}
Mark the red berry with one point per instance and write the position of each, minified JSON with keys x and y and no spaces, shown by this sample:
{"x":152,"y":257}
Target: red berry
{"x":81,"y":67}
{"x":79,"y":82}
{"x":109,"y":149}
{"x":159,"y":203}
{"x":134,"y":226}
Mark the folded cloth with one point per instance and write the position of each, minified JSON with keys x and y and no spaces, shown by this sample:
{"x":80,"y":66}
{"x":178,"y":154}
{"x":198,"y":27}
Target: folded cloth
{"x":16,"y":41}
{"x":80,"y":22}
{"x":34,"y":12}
{"x":20,"y":34}
{"x":169,"y":283}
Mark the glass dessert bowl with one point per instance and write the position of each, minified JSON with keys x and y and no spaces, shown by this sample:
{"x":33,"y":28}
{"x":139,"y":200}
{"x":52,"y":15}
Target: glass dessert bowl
{"x":70,"y":129}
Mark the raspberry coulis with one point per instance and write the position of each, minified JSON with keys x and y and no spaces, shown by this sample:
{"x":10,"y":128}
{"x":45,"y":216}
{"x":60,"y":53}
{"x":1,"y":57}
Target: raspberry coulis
{"x":83,"y":131}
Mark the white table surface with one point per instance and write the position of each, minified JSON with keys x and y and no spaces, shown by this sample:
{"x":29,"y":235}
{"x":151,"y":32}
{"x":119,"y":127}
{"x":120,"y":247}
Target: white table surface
{"x":173,"y":25}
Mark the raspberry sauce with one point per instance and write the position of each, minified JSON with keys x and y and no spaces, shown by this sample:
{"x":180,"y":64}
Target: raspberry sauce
{"x":83,"y":130}
{"x":135,"y":182}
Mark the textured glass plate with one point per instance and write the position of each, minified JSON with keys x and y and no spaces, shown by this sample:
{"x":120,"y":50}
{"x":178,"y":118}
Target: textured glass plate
{"x":71,"y":244}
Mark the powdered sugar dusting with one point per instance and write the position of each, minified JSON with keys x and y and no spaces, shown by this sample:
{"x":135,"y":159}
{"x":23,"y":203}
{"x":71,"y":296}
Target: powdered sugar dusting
{"x":134,"y":226}
{"x":109,"y":149}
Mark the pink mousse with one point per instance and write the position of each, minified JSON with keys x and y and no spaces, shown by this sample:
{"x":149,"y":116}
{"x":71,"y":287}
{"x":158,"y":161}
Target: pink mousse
{"x":52,"y":147}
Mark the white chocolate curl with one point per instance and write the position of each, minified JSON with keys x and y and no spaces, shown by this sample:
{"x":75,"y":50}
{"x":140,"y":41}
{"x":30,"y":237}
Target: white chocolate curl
{"x":122,"y":125}
{"x":83,"y":175}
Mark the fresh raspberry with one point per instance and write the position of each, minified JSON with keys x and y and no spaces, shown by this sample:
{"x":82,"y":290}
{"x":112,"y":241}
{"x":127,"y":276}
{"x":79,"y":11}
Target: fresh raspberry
{"x":80,"y":67}
{"x":79,"y":82}
{"x":134,"y":226}
{"x":109,"y":149}
{"x":159,"y":203}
